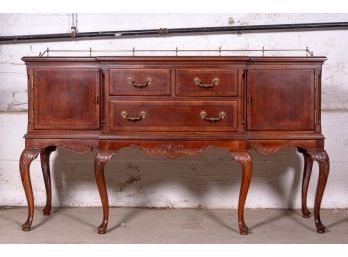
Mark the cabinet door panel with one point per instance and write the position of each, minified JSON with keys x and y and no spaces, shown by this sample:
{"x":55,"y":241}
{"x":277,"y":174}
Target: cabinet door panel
{"x":281,"y":99}
{"x":66,"y":99}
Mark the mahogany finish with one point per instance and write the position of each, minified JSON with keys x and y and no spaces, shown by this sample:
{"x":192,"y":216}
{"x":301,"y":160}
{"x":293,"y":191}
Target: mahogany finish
{"x":174,"y":106}
{"x":290,"y":89}
{"x":168,"y":116}
{"x":66,"y":98}
{"x":207,"y":82}
{"x":140,"y":81}
{"x":45,"y":166}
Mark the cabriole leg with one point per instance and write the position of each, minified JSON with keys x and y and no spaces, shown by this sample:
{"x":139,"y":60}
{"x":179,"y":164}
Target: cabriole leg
{"x":27,"y":156}
{"x":324,"y":167}
{"x":307,"y":171}
{"x":100,"y":161}
{"x":245,"y":161}
{"x":45,"y":166}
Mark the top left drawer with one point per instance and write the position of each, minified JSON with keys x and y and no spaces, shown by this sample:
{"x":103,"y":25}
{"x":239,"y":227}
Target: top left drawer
{"x":140,"y":81}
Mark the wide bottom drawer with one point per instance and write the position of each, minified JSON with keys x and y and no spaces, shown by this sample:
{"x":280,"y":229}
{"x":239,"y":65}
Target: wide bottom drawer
{"x":173,"y":116}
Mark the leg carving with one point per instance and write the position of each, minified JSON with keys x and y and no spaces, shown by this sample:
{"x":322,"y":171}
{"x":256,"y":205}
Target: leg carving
{"x":45,"y":166}
{"x":245,"y":161}
{"x":324,"y":166}
{"x":27,"y":156}
{"x":307,"y":171}
{"x":100,"y":161}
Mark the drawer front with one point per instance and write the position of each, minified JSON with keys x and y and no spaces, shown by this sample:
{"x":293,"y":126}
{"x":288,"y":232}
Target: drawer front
{"x":173,"y":116}
{"x":140,"y":82}
{"x":207,"y":82}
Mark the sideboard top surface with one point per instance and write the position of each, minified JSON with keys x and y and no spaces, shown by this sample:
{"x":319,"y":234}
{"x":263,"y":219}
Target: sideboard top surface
{"x":298,"y":59}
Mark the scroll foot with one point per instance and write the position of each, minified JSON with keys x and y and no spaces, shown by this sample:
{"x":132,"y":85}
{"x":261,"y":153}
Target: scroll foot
{"x":306,"y":213}
{"x":102,"y":228}
{"x":46,"y":211}
{"x":27,"y":225}
{"x":243,"y":229}
{"x":320,"y":227}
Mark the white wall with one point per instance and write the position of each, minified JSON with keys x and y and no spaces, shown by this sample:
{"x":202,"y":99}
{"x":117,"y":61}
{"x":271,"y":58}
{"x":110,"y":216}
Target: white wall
{"x":209,"y":179}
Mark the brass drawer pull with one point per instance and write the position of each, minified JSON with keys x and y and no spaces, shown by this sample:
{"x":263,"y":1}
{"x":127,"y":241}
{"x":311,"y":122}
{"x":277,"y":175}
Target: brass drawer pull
{"x":198,"y":82}
{"x":126,"y":116}
{"x":147,"y":82}
{"x":204,"y":116}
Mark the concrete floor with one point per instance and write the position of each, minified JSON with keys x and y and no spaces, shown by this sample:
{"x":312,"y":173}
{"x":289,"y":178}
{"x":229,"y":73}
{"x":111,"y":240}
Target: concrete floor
{"x":137,"y":225}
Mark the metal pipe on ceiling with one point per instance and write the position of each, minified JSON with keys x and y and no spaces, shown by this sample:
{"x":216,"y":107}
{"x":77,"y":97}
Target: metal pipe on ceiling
{"x":173,"y":31}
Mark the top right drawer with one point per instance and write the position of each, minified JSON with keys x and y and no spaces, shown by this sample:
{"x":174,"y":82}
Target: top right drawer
{"x":206,"y":82}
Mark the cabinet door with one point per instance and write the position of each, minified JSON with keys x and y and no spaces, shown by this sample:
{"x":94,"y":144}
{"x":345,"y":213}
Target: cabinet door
{"x":66,"y":99}
{"x":280,"y":99}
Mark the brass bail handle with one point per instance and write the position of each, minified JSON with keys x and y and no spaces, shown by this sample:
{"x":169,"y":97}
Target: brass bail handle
{"x":147,"y":82}
{"x":140,"y":116}
{"x":204,"y":116}
{"x":198,"y":82}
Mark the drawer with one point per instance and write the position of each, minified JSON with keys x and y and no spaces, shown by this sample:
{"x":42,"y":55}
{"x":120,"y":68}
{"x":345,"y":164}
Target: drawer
{"x":206,"y":82}
{"x":140,"y":82}
{"x":173,"y":116}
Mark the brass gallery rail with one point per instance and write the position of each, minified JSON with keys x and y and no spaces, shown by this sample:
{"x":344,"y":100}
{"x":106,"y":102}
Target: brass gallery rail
{"x":175,"y":51}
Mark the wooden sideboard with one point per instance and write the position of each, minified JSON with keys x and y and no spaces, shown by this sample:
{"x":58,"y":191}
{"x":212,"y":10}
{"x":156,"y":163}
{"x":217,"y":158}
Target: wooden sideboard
{"x":174,"y":106}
